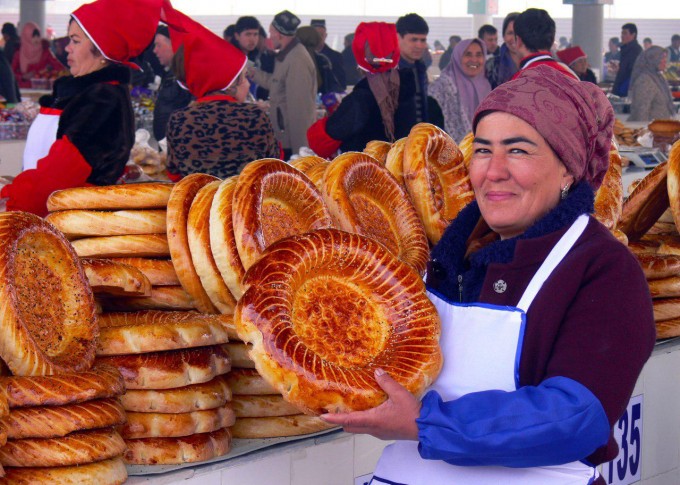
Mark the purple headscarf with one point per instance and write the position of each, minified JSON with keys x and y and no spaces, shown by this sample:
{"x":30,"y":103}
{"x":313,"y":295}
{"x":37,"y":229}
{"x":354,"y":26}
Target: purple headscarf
{"x":575,"y":118}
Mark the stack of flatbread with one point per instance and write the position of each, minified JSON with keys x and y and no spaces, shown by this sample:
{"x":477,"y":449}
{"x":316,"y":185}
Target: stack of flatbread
{"x":63,"y":412}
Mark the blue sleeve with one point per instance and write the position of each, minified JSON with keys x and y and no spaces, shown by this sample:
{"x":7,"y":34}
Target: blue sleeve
{"x":557,"y":422}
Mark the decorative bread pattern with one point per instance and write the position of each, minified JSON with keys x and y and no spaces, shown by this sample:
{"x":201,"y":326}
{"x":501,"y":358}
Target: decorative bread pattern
{"x":114,"y":278}
{"x":175,"y":425}
{"x":645,"y":204}
{"x":665,"y":287}
{"x":101,"y":381}
{"x":378,"y":150}
{"x":665,"y":329}
{"x":145,"y":245}
{"x":174,"y":368}
{"x":316,"y":173}
{"x":364,"y":198}
{"x":239,"y":354}
{"x":196,"y":397}
{"x":47,"y":314}
{"x":222,"y":238}
{"x":435,"y":177}
{"x":152,"y":331}
{"x":168,"y":451}
{"x":656,"y":266}
{"x":273,"y":200}
{"x":344,"y":307}
{"x":248,"y":382}
{"x":303,"y":164}
{"x":262,"y":406}
{"x":609,"y":197}
{"x":73,"y":449}
{"x":182,"y":196}
{"x":278,"y":427}
{"x":394,"y":161}
{"x":105,"y":472}
{"x":666,"y":308}
{"x":110,"y":197}
{"x":159,"y":272}
{"x":161,"y":298}
{"x":673,"y":182}
{"x":57,"y":421}
{"x":88,"y":223}
{"x":198,"y":235}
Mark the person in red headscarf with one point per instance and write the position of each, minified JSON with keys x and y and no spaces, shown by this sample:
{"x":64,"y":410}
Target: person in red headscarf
{"x":85,"y":129}
{"x":382,"y":106}
{"x":34,"y":58}
{"x":218,"y":133}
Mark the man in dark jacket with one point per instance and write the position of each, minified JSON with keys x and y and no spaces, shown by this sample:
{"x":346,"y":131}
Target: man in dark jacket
{"x":335,"y":57}
{"x":630,"y":50}
{"x":413,"y":30}
{"x":171,"y":96}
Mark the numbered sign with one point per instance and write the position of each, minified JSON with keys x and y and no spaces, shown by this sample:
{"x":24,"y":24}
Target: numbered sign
{"x":625,"y":468}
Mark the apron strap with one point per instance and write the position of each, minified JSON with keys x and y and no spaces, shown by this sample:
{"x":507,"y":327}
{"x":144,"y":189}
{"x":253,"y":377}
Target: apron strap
{"x":554,"y":258}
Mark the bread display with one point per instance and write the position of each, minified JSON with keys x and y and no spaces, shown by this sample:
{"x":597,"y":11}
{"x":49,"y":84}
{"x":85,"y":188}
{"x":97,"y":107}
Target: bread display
{"x":87,"y":223}
{"x":673,"y":182}
{"x":159,"y":272}
{"x":262,"y":406}
{"x":182,"y":196}
{"x":273,"y":200}
{"x":188,"y":449}
{"x":279,"y":426}
{"x":645,"y":204}
{"x":198,"y":236}
{"x":313,"y":167}
{"x":364,"y":198}
{"x":111,"y":197}
{"x":145,"y":246}
{"x":435,"y":177}
{"x":465,"y":146}
{"x":152,"y":331}
{"x":239,"y":353}
{"x":668,"y":328}
{"x":665,"y":287}
{"x":105,"y":472}
{"x":173,"y":368}
{"x":174,"y":425}
{"x":666,"y":308}
{"x":336,"y":320}
{"x":115,"y":278}
{"x":196,"y":397}
{"x":656,"y":266}
{"x":47,"y":312}
{"x":378,"y":150}
{"x":394,"y":162}
{"x":609,"y":197}
{"x":248,"y":382}
{"x":57,"y":421}
{"x":161,"y":298}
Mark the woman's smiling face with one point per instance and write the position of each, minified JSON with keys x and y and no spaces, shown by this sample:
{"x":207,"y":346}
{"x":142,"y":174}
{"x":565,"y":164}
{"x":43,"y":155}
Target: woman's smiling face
{"x":472,"y":61}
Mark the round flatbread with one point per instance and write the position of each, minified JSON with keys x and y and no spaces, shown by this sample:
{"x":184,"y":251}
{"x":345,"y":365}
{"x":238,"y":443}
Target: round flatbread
{"x":89,"y":223}
{"x":278,"y":427}
{"x":172,"y":298}
{"x":139,"y":245}
{"x":248,"y":382}
{"x":113,"y":278}
{"x":174,"y":451}
{"x":394,"y":161}
{"x":110,"y":197}
{"x":196,"y":397}
{"x":159,"y":272}
{"x":262,"y":406}
{"x":609,"y":197}
{"x":378,"y":150}
{"x":105,"y":472}
{"x":648,"y":201}
{"x":175,"y":425}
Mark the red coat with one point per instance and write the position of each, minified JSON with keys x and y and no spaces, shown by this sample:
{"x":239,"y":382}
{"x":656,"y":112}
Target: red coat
{"x":47,"y":62}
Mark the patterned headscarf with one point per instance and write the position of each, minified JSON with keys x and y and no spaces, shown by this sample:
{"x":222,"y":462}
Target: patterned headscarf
{"x":575,"y":118}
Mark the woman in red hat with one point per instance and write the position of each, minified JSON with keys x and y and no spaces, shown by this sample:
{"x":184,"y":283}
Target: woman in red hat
{"x":85,"y":129}
{"x":33,"y":57}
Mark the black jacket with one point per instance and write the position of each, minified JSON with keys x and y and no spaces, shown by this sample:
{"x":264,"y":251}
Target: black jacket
{"x":171,"y":97}
{"x":629,"y":54}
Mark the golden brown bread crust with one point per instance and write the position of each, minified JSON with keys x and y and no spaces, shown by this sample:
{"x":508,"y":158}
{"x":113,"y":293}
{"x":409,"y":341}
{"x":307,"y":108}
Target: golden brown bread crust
{"x":144,"y":245}
{"x":316,"y":173}
{"x":73,"y":449}
{"x":656,"y":266}
{"x":110,"y":197}
{"x":168,"y":451}
{"x":4,"y":403}
{"x":345,"y":306}
{"x":394,"y":162}
{"x":153,"y":331}
{"x":182,"y":196}
{"x":669,"y":245}
{"x":174,"y":368}
{"x":248,"y":382}
{"x":101,"y":381}
{"x":364,"y":198}
{"x":666,"y":308}
{"x":222,"y":238}
{"x":278,"y":427}
{"x":660,"y":227}
{"x":56,"y":421}
{"x":645,"y":204}
{"x":47,"y":308}
{"x":114,"y":278}
{"x":304,"y":164}
{"x":378,"y":150}
{"x":609,"y":197}
{"x":644,"y":246}
{"x":196,"y":397}
{"x":262,"y":406}
{"x":239,"y":354}
{"x":664,"y":287}
{"x":673,"y":182}
{"x":88,"y":223}
{"x":105,"y":472}
{"x":175,"y":425}
{"x":435,"y":177}
{"x":620,"y":236}
{"x":273,"y":200}
{"x":161,"y":298}
{"x":198,"y":235}
{"x":465,"y":147}
{"x":668,"y":328}
{"x":159,"y":272}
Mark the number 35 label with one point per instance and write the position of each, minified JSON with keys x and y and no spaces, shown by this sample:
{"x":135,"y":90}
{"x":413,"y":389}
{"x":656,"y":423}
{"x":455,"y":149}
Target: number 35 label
{"x":625,"y":468}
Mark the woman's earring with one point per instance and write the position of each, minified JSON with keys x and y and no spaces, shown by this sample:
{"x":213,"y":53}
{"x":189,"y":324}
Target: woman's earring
{"x":564,"y":192}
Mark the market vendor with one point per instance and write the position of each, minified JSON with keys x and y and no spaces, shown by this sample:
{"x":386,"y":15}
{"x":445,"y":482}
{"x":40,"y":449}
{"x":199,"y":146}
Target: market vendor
{"x":85,"y":129}
{"x":545,"y":330}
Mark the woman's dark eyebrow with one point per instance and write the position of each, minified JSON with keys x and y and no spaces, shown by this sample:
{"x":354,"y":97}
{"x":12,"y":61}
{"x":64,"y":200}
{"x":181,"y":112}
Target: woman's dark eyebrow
{"x":507,"y":141}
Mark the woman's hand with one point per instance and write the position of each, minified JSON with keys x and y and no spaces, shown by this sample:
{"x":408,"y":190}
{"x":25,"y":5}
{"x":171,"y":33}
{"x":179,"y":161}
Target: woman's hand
{"x":395,"y":419}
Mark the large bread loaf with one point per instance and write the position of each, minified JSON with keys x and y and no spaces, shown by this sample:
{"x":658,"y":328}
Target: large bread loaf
{"x":106,"y":472}
{"x":196,"y":397}
{"x":175,"y":425}
{"x":113,"y":278}
{"x":278,"y":427}
{"x":130,"y":196}
{"x":188,"y":449}
{"x":88,"y":223}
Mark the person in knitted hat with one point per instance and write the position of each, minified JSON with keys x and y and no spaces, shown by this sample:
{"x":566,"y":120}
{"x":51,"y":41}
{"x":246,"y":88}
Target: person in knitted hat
{"x":546,"y":324}
{"x":85,"y":129}
{"x":292,"y":86}
{"x":577,"y":60}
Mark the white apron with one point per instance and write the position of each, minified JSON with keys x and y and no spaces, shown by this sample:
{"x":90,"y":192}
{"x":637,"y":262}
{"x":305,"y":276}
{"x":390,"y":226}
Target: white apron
{"x":41,"y":135}
{"x":481,"y":345}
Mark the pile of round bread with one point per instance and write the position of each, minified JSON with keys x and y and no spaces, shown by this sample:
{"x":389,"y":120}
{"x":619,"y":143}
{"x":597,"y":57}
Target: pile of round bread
{"x":63,"y":412}
{"x":651,"y":218}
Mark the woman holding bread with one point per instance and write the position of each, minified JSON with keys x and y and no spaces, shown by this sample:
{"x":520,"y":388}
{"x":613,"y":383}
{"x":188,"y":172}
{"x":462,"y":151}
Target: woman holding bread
{"x":545,"y":329}
{"x":85,"y":129}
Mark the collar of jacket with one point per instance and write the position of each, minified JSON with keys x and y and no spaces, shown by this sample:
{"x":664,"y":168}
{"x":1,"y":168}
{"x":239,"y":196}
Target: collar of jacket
{"x":281,"y":56}
{"x":70,"y":85}
{"x":533,"y":55}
